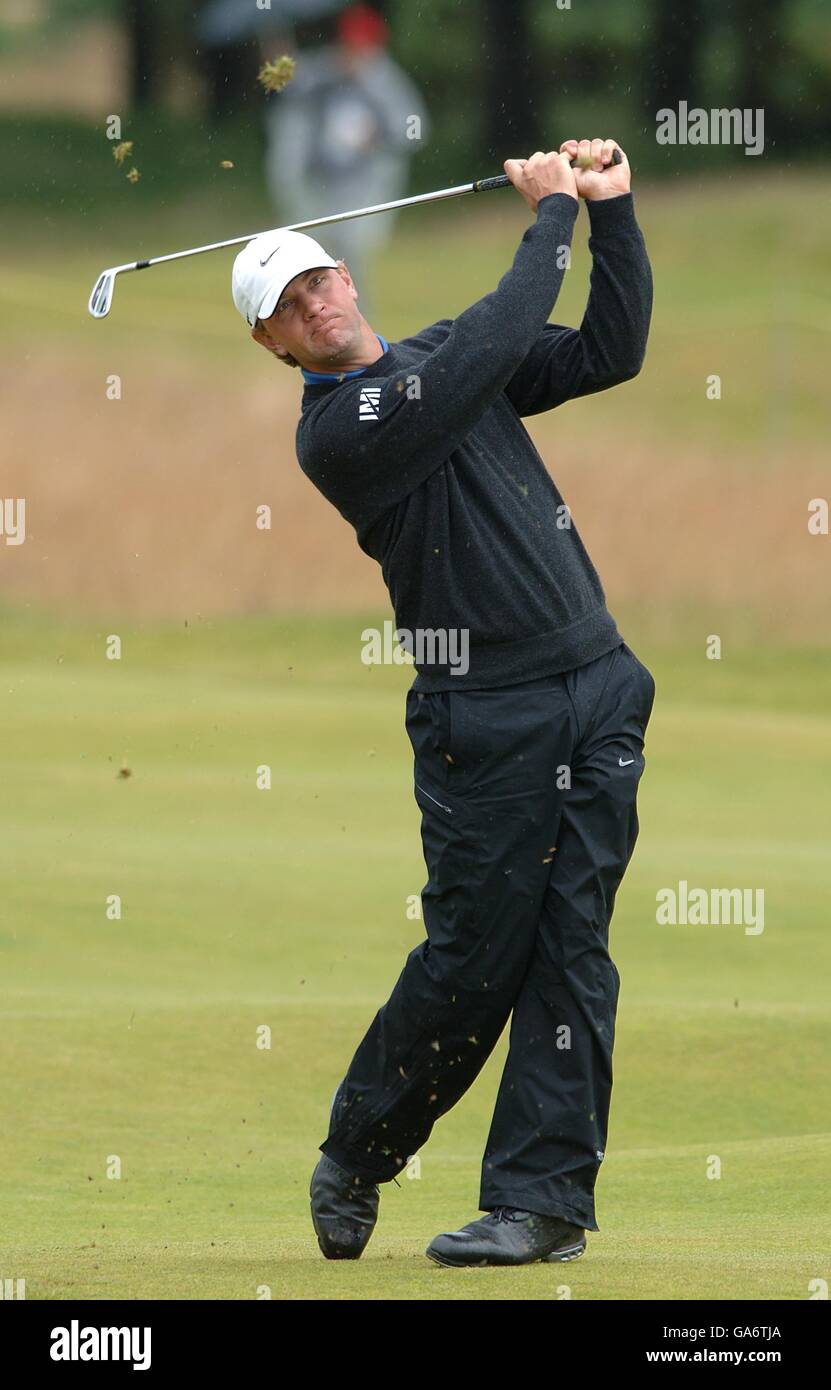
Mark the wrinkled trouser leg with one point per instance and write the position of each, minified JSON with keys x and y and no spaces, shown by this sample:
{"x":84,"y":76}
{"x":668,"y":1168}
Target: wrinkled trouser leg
{"x":548,"y":1135}
{"x":489,"y":820}
{"x":492,"y":769}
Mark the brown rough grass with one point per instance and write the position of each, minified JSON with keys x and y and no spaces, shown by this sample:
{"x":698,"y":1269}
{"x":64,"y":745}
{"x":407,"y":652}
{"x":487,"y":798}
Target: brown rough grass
{"x":146,"y":506}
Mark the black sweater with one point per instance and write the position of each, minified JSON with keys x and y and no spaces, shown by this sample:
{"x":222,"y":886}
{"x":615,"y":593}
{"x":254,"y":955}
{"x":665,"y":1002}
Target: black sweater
{"x":425,"y":455}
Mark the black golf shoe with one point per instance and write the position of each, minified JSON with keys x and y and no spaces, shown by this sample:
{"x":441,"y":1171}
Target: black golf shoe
{"x":508,"y":1236}
{"x":344,"y":1210}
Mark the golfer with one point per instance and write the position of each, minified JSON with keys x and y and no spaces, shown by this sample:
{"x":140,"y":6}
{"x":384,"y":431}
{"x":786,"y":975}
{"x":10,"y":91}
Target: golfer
{"x":529,"y":753}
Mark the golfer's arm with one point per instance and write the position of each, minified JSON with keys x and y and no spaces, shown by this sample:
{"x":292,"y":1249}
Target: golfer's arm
{"x":610,"y":344}
{"x":486,"y":344}
{"x":412,"y":421}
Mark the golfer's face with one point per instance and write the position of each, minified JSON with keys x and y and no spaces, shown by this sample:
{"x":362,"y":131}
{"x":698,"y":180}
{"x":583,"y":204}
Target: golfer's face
{"x":316,"y":316}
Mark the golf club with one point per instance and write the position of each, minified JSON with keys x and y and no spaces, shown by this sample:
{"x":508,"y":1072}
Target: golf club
{"x":103,"y":290}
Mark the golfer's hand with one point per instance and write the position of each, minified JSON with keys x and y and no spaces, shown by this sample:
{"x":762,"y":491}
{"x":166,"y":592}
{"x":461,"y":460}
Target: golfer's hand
{"x":604,"y":179}
{"x":540,"y":175}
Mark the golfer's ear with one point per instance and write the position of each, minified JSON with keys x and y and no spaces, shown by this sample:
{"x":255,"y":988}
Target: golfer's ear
{"x":260,"y":336}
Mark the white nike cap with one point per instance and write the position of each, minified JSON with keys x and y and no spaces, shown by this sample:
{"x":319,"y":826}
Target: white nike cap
{"x":265,"y":266}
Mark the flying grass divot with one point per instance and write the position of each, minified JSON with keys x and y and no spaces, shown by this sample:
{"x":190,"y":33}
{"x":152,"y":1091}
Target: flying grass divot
{"x":276,"y":75}
{"x":120,"y":153}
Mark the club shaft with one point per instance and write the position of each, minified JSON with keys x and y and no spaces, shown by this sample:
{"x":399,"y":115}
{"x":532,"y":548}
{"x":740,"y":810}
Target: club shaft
{"x":480,"y":186}
{"x":337,"y":217}
{"x":102,"y":293}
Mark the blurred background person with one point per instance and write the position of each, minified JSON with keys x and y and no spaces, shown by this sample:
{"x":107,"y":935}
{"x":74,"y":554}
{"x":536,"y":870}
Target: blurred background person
{"x":342,"y":135}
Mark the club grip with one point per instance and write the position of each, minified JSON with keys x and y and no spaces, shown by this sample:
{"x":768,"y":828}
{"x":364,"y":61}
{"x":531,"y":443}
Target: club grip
{"x":485,"y":185}
{"x":502,"y":180}
{"x":617,"y":158}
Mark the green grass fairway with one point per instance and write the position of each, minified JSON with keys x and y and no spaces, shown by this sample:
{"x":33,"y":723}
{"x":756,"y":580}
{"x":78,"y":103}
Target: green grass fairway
{"x":287,"y":908}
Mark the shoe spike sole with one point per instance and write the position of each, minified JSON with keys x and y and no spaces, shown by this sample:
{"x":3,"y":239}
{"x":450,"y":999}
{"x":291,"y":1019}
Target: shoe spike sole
{"x":556,"y":1257}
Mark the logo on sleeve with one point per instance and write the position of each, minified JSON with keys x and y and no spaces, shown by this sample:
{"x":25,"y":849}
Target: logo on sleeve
{"x":369,"y":405}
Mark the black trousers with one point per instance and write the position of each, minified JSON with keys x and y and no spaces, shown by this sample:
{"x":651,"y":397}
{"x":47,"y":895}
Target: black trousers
{"x":528,"y":801}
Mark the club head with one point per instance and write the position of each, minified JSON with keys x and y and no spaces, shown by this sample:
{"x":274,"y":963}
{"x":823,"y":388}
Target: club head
{"x":102,"y":294}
